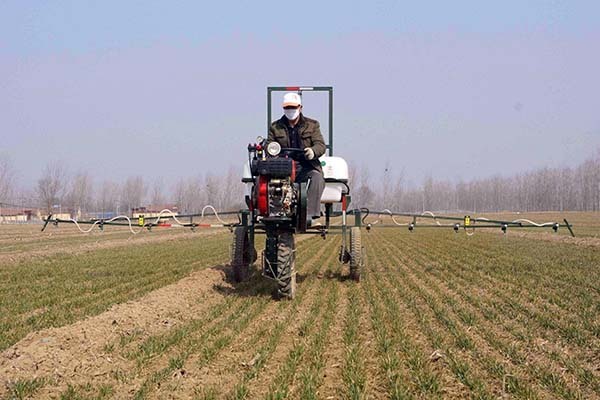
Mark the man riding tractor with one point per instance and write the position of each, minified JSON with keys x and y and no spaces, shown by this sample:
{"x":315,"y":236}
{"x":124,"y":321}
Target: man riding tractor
{"x":287,"y":183}
{"x":294,"y":130}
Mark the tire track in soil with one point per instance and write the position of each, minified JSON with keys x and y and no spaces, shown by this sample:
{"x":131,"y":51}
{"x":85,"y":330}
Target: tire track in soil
{"x":290,"y":348}
{"x":292,"y":324}
{"x":504,"y":344}
{"x":244,"y":360}
{"x":199,"y":336}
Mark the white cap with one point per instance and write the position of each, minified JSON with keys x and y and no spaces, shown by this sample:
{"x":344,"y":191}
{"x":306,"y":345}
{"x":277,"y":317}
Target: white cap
{"x":292,"y":99}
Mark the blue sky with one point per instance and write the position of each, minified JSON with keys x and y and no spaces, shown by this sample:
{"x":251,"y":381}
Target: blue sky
{"x":173,"y":89}
{"x":30,"y":27}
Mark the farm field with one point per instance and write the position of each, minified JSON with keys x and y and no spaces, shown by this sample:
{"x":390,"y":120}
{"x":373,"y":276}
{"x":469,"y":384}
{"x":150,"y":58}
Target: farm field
{"x":436,"y":315}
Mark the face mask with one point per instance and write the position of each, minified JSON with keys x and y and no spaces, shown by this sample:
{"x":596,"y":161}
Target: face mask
{"x":292,"y":114}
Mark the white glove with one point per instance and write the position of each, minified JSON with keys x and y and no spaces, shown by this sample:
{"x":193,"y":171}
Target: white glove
{"x":309,"y":153}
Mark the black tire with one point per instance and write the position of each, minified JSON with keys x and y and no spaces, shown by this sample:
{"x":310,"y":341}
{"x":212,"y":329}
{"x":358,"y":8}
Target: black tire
{"x":355,"y":253}
{"x":242,"y":254}
{"x":286,"y":260}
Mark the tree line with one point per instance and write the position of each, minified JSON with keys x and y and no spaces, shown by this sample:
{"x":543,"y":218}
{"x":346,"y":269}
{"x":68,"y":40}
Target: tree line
{"x":545,"y":189}
{"x":80,"y":194}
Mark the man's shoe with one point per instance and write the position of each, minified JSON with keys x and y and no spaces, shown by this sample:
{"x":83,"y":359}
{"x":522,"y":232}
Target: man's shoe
{"x":315,"y":223}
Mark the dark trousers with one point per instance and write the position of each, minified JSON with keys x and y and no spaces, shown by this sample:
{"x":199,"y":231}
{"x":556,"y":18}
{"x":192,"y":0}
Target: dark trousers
{"x":316,"y":185}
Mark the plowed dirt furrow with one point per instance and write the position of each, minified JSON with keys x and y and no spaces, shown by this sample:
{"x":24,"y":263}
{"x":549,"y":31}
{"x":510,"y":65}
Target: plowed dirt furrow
{"x":458,"y":357}
{"x":200,"y":347}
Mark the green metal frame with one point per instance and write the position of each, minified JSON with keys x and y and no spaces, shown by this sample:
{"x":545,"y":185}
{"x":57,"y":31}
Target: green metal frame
{"x":299,"y":90}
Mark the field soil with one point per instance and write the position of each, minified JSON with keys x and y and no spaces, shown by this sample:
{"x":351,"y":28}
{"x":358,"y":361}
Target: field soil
{"x":435,"y":315}
{"x":77,"y":353}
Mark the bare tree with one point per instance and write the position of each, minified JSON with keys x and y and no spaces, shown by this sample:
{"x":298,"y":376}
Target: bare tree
{"x":51,"y":186}
{"x":544,"y":189}
{"x":107,"y":197}
{"x":156,"y":192}
{"x":397,"y":192}
{"x":213,"y":190}
{"x":384,"y":198}
{"x":7,"y":178}
{"x":233,"y":190}
{"x":364,"y":194}
{"x":133,"y":193}
{"x":79,"y":197}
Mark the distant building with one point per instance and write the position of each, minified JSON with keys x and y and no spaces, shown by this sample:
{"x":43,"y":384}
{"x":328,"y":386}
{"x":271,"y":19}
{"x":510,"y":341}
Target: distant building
{"x":63,"y":215}
{"x":15,"y":215}
{"x":153,"y":211}
{"x":95,"y":215}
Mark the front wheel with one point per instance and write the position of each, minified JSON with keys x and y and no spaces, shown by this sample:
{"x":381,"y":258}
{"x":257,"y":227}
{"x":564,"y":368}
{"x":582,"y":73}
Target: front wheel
{"x":286,"y":262}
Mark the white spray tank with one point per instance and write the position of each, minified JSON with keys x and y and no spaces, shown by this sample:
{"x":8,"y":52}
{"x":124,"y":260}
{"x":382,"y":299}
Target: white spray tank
{"x":335,"y":172}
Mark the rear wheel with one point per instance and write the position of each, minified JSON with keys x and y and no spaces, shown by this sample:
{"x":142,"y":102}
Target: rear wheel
{"x":242,"y":254}
{"x":286,"y":262}
{"x":355,"y":253}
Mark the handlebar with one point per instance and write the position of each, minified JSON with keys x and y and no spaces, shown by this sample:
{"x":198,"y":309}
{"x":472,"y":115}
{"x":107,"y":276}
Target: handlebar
{"x":294,"y":152}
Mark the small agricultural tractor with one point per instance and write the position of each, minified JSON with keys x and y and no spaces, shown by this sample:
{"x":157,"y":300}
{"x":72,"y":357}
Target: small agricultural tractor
{"x":277,"y":207}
